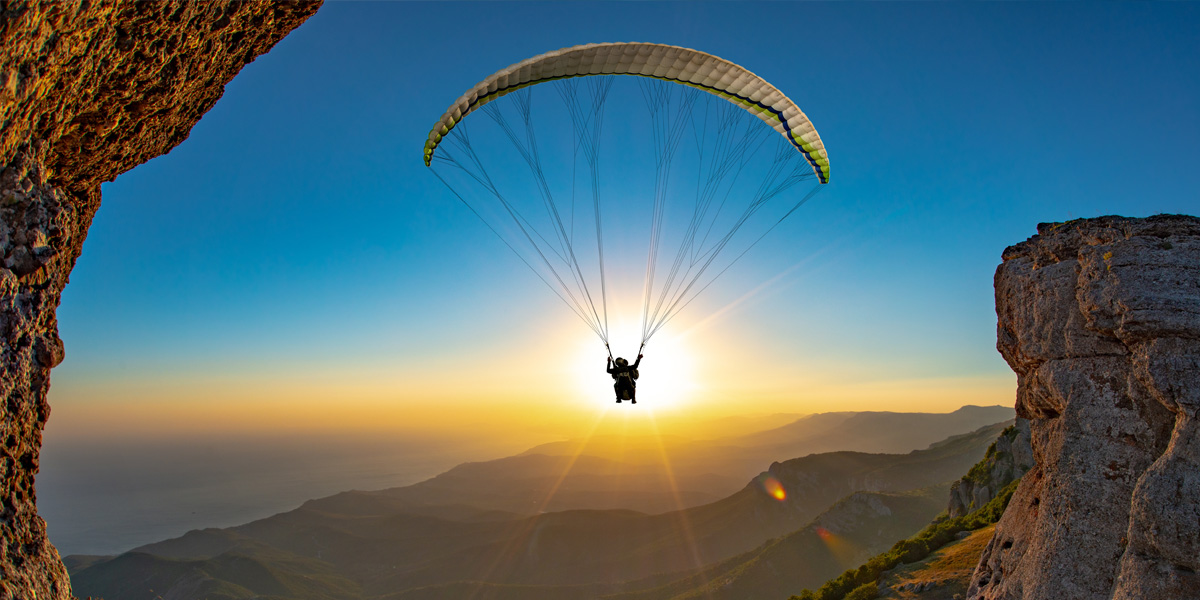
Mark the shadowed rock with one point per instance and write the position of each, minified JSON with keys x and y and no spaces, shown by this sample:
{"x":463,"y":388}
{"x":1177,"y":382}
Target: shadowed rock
{"x":1100,"y":319}
{"x":87,"y":92}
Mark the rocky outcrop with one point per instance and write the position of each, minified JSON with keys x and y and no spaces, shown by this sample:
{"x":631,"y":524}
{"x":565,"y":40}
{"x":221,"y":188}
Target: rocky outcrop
{"x":1007,"y":460}
{"x":88,"y":90}
{"x":1100,"y":319}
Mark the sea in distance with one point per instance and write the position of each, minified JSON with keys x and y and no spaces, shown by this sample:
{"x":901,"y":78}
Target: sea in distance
{"x":107,"y":496}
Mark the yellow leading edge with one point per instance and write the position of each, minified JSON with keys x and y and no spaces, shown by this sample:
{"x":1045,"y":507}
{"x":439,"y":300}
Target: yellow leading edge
{"x":660,"y":61}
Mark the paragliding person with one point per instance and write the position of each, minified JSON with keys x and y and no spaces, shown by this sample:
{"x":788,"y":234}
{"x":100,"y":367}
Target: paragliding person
{"x":625,"y":378}
{"x":755,"y":169}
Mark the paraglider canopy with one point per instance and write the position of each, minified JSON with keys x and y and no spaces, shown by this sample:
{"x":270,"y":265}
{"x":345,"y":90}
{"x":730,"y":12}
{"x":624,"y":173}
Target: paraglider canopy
{"x":728,"y":185}
{"x":670,"y":63}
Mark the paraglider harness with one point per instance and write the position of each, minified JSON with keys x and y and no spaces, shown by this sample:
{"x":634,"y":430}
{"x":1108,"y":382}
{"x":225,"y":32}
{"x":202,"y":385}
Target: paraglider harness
{"x":625,"y":376}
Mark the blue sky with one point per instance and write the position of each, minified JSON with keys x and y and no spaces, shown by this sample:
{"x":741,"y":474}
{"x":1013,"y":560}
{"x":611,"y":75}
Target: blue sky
{"x":296,"y":241}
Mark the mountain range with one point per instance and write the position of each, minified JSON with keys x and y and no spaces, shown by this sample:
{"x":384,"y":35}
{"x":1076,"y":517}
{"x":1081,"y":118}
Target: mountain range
{"x":555,"y":524}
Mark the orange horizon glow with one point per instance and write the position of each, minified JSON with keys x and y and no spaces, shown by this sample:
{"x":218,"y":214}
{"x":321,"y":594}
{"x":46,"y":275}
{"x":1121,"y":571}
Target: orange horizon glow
{"x":274,"y":404}
{"x":553,"y":390}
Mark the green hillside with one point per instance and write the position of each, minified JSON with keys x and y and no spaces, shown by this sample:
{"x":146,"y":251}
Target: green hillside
{"x":864,"y":581}
{"x":944,"y":575}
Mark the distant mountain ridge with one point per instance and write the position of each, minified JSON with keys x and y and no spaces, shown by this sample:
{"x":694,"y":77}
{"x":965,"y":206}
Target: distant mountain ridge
{"x":861,"y":431}
{"x":719,"y":467}
{"x":870,"y":431}
{"x":623,"y":476}
{"x":522,"y":483}
{"x":461,"y":526}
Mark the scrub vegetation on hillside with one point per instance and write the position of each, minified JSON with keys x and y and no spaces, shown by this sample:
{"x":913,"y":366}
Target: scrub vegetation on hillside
{"x":862,"y":583}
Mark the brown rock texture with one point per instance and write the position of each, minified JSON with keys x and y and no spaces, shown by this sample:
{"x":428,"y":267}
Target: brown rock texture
{"x":88,"y":90}
{"x":1100,"y":319}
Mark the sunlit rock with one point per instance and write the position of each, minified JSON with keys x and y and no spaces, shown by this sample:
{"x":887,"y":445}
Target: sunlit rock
{"x":1100,"y":319}
{"x":87,"y":91}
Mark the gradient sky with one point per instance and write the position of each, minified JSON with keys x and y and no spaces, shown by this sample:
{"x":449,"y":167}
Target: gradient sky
{"x":293,"y":265}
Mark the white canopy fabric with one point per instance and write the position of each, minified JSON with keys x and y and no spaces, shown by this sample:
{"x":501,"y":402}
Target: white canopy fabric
{"x":671,"y":63}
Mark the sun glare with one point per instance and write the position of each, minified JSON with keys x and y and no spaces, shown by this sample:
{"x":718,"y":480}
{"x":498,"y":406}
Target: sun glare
{"x":667,"y":376}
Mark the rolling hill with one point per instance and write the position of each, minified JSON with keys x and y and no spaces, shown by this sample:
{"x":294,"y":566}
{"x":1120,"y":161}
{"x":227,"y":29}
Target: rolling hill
{"x":720,"y":466}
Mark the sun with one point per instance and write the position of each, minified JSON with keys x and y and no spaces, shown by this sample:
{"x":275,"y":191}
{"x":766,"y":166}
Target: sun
{"x":667,"y":376}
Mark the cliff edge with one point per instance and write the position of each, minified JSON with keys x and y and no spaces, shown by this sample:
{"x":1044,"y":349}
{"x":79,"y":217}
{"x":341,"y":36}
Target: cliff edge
{"x":1100,"y":319}
{"x":88,"y":90}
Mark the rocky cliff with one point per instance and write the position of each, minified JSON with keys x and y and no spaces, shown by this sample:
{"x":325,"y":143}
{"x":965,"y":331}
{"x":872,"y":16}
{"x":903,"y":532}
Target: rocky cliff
{"x":88,"y":90}
{"x":1007,"y":460}
{"x":1100,"y":319}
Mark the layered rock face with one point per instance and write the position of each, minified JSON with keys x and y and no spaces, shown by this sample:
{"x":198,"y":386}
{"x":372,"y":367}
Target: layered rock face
{"x":1007,"y":460}
{"x":88,"y":90}
{"x":1100,"y":319}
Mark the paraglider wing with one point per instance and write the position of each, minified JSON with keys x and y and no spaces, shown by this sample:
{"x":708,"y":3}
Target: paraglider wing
{"x":671,"y":63}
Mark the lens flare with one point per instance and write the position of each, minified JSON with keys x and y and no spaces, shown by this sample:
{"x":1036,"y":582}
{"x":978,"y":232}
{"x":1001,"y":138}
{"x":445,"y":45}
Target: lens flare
{"x":772,"y":487}
{"x":843,"y":550}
